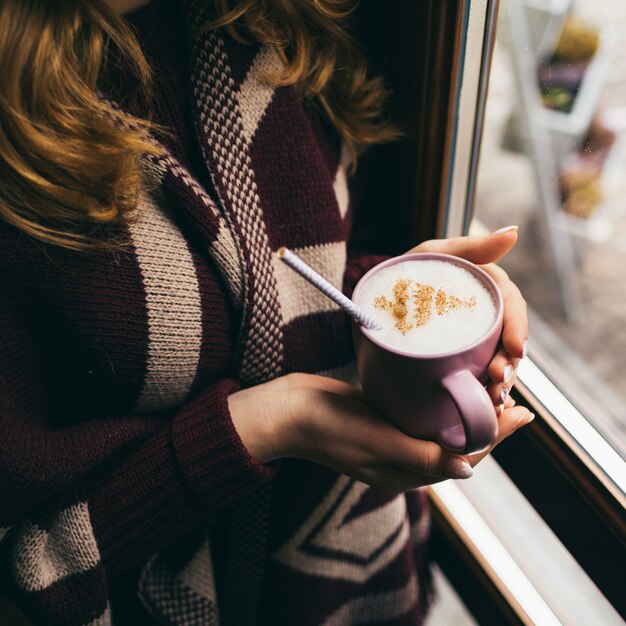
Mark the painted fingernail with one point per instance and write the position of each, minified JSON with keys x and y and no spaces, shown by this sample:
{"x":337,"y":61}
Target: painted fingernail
{"x":524,"y":348}
{"x":501,"y":231}
{"x":457,"y":468}
{"x":508,"y":373}
{"x":504,"y":393}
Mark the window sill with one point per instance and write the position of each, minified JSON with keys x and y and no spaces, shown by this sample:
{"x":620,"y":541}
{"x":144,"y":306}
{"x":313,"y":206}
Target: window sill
{"x":523,"y":559}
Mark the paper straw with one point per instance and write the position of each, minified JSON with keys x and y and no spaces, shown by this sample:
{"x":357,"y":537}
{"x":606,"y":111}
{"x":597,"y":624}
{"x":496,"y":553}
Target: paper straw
{"x":329,"y":290}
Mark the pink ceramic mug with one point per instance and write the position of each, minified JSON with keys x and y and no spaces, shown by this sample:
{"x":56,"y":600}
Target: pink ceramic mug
{"x":440,"y":397}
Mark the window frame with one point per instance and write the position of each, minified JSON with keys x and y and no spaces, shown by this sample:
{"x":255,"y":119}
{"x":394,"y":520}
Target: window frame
{"x":569,"y":454}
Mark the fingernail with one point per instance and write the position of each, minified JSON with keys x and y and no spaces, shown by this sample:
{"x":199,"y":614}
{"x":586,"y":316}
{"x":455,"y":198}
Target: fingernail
{"x":524,"y":420}
{"x":457,"y":468}
{"x":504,"y":393}
{"x":524,"y":348}
{"x":508,"y":373}
{"x":500,"y":409}
{"x":512,"y":403}
{"x":501,"y":231}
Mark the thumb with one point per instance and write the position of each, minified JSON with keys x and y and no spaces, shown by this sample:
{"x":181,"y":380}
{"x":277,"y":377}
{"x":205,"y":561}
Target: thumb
{"x":429,"y":458}
{"x":479,"y":249}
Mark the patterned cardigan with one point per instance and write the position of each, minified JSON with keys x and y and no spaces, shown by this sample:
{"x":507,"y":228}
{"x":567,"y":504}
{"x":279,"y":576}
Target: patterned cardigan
{"x":116,"y":447}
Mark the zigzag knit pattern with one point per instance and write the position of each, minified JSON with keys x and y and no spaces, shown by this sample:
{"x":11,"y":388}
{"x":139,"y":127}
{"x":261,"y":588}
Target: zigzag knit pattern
{"x":224,"y":143}
{"x":114,"y":423}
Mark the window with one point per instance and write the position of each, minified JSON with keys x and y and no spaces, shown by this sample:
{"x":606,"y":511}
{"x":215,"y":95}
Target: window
{"x":555,"y":131}
{"x":538,"y":129}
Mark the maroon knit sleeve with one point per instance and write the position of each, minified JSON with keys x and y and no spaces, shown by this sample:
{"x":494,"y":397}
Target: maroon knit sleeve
{"x":189,"y":468}
{"x":104,"y":492}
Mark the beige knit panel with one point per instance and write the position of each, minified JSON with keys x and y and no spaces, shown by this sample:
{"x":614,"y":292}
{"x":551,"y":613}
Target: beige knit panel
{"x":255,"y":92}
{"x":297,"y":296}
{"x":223,"y":249}
{"x":103,"y":620}
{"x":173,"y":305}
{"x":224,"y":253}
{"x":340,"y":184}
{"x":369,"y":541}
{"x":420,"y":528}
{"x":41,"y":558}
{"x":198,"y":573}
{"x":376,"y":607}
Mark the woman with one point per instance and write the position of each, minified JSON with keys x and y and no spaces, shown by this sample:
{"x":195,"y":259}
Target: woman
{"x":170,"y":452}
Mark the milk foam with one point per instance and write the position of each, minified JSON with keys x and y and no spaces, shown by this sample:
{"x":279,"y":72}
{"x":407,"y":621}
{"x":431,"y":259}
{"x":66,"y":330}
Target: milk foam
{"x":436,"y":306}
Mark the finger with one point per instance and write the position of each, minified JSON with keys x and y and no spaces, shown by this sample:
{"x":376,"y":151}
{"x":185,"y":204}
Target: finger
{"x":515,"y":314}
{"x":502,"y":374}
{"x":413,"y":455}
{"x":380,"y":443}
{"x":432,"y":460}
{"x":501,"y":398}
{"x":477,"y":249}
{"x":503,"y":368}
{"x":426,"y":458}
{"x":511,"y":420}
{"x":498,"y":394}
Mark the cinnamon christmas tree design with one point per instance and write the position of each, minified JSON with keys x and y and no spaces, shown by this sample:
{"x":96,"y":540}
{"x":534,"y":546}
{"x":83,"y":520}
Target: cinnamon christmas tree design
{"x":426,"y":299}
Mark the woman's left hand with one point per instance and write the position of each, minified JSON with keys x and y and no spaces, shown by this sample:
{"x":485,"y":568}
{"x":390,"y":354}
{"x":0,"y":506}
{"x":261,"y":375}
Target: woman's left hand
{"x":485,"y":251}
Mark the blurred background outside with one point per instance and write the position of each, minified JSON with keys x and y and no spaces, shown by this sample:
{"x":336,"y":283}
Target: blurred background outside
{"x":553,"y":161}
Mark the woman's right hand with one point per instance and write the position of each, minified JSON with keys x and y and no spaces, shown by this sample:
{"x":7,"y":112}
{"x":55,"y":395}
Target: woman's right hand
{"x":328,"y":422}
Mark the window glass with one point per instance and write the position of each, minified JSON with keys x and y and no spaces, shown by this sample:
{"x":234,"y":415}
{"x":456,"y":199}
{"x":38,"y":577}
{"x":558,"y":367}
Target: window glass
{"x":553,"y":161}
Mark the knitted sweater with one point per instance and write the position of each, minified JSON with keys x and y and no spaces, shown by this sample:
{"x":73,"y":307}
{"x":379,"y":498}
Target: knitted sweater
{"x":121,"y":473}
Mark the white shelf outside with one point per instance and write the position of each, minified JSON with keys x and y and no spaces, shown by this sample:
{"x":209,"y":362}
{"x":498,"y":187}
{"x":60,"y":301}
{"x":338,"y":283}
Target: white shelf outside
{"x":595,"y":229}
{"x":567,"y":130}
{"x":545,"y":22}
{"x":600,"y":226}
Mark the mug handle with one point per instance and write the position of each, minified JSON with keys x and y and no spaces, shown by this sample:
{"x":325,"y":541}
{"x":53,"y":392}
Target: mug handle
{"x":478,"y":416}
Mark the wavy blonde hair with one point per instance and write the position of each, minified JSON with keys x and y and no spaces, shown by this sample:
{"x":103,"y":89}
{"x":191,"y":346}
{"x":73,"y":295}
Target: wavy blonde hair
{"x":70,"y":168}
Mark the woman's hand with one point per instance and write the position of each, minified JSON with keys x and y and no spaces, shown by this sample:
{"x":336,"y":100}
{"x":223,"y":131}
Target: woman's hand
{"x":327,"y":421}
{"x":484,"y":251}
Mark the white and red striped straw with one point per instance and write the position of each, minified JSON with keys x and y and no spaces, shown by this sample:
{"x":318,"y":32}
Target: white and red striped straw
{"x":329,"y":290}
